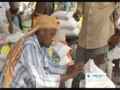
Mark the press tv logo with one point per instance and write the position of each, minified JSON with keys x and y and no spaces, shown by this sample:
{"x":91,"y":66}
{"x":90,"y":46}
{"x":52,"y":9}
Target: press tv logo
{"x":95,"y":75}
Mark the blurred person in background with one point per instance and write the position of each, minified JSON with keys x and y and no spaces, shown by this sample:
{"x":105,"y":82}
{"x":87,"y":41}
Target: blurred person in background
{"x":67,"y":6}
{"x":6,"y":18}
{"x":44,"y":8}
{"x":16,"y":17}
{"x":97,"y":28}
{"x":37,"y":69}
{"x":5,"y":15}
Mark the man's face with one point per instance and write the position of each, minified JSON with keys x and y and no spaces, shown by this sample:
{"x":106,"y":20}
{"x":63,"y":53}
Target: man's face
{"x":48,"y":37}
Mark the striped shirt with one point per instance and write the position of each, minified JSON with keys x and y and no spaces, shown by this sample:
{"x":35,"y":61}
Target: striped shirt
{"x":35,"y":68}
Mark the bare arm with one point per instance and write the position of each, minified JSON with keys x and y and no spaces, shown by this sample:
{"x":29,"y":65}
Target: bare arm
{"x":109,"y":56}
{"x":8,"y":15}
{"x":79,"y":11}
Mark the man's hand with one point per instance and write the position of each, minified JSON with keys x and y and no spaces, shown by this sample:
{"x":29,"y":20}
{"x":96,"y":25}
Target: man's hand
{"x":11,"y":28}
{"x":99,"y":59}
{"x":114,"y":40}
{"x":72,"y":67}
{"x":77,"y":15}
{"x":74,"y":70}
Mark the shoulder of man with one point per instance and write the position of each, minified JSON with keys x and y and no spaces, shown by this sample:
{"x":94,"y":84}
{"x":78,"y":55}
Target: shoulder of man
{"x":31,"y":40}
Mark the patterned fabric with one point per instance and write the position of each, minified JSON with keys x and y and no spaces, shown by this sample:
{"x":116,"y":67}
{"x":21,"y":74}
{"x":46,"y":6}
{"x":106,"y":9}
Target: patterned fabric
{"x":44,"y":22}
{"x":35,"y":68}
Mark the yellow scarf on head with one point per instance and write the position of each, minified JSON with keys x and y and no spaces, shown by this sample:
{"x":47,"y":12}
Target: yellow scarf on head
{"x":44,"y":22}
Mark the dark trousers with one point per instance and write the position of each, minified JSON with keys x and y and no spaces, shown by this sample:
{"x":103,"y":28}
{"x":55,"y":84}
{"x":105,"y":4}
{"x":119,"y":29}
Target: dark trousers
{"x":83,"y":54}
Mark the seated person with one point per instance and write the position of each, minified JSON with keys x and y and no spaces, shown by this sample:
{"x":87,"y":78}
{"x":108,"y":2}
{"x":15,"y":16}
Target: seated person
{"x":29,"y":65}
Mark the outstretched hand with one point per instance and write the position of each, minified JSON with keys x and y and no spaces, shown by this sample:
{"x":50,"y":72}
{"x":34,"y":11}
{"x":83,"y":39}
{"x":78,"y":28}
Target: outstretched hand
{"x":74,"y":70}
{"x":76,"y":15}
{"x":10,"y":28}
{"x":99,"y":59}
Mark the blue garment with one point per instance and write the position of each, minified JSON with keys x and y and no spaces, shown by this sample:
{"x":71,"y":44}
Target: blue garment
{"x":67,"y":5}
{"x":16,"y":21}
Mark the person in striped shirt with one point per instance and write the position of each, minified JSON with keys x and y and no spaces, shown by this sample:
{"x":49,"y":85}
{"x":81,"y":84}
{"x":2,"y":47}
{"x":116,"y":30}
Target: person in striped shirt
{"x":29,"y":65}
